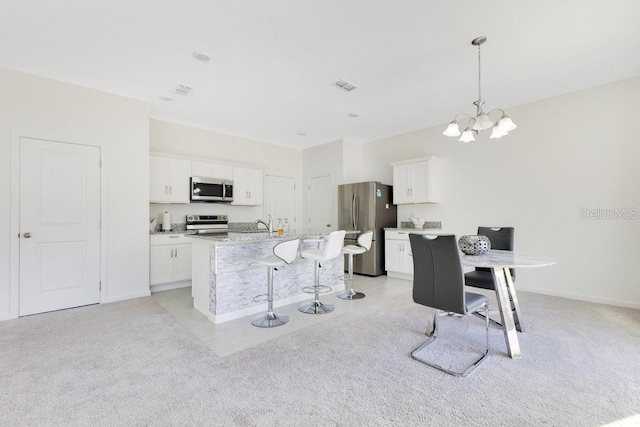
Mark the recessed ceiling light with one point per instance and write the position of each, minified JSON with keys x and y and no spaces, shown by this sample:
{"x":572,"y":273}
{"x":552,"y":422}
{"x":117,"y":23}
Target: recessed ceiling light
{"x":166,"y":98}
{"x":302,"y":134}
{"x":354,"y":115}
{"x":201,"y":56}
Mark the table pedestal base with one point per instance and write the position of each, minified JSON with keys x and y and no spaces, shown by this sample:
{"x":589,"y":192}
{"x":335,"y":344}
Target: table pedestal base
{"x":505,"y":293}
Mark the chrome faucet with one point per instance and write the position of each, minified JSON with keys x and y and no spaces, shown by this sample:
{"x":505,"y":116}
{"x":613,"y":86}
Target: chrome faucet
{"x":269,"y":225}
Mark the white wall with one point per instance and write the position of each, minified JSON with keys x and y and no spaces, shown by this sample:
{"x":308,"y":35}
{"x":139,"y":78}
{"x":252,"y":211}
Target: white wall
{"x":351,"y":161}
{"x":121,"y":125}
{"x":212,"y":146}
{"x":569,"y":152}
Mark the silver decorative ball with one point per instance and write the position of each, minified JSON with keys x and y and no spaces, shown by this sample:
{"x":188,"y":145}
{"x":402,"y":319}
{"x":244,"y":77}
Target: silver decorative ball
{"x":474,"y":245}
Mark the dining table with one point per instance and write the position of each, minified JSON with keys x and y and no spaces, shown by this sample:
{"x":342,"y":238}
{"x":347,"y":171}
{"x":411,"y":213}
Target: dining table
{"x":500,"y":262}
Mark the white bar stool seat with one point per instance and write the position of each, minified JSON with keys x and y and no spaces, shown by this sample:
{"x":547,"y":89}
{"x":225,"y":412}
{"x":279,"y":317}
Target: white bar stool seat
{"x":364,"y":244}
{"x":332,"y":249}
{"x":283,"y":253}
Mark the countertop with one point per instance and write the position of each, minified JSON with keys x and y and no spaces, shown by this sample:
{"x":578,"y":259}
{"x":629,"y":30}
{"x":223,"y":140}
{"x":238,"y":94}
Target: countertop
{"x":256,"y":237}
{"x":415,"y":230}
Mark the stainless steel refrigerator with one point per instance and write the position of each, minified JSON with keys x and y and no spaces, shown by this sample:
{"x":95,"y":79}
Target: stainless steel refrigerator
{"x":367,"y":206}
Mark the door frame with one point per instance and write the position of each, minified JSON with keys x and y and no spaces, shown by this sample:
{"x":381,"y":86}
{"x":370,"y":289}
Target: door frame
{"x":295,"y":195}
{"x":14,"y":263}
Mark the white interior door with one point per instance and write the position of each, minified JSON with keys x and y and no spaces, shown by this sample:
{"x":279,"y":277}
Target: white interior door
{"x":280,"y":199}
{"x":320,"y":203}
{"x":59,"y":225}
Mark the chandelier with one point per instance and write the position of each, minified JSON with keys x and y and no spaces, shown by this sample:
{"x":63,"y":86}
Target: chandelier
{"x":481,"y":121}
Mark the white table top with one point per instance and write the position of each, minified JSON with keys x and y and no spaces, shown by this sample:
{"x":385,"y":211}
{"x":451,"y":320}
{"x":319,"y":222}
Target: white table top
{"x":505,"y":259}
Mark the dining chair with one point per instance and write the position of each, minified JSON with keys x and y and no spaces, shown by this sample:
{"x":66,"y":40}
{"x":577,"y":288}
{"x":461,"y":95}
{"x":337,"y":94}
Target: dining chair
{"x":501,"y":238}
{"x":438,"y":283}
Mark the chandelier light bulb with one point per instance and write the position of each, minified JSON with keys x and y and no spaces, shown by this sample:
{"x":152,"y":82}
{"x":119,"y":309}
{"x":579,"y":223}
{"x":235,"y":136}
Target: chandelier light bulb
{"x":506,"y":124}
{"x":498,"y":132}
{"x":467,"y":136}
{"x":483,"y":122}
{"x":452,"y":129}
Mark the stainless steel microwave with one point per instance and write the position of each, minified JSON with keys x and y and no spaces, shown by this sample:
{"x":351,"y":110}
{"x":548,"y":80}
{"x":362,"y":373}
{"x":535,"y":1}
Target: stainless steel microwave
{"x":211,"y":190}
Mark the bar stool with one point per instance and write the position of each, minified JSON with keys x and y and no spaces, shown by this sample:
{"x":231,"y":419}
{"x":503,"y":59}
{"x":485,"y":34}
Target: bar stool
{"x":283,"y":253}
{"x":364,"y":244}
{"x":331,"y":250}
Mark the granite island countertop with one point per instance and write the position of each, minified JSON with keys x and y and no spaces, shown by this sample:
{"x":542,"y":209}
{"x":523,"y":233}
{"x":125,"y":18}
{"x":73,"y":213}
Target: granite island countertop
{"x":234,"y":238}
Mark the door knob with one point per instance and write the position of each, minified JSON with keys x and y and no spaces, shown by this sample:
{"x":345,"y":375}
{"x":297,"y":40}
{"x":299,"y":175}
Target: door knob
{"x":27,"y":235}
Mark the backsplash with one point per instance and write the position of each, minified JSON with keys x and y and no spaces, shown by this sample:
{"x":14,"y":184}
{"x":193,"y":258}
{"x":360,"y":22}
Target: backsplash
{"x":429,"y":225}
{"x":179,"y":212}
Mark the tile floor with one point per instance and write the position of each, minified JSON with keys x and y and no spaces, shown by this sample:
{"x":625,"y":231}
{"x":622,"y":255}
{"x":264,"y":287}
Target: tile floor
{"x":236,"y":335}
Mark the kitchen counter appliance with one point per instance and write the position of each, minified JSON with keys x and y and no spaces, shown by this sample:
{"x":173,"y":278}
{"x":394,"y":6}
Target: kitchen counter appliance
{"x":367,"y":206}
{"x":208,"y":224}
{"x":211,"y":190}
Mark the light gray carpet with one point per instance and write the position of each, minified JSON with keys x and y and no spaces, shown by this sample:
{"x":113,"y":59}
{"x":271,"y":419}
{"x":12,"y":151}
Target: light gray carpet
{"x":131,"y":363}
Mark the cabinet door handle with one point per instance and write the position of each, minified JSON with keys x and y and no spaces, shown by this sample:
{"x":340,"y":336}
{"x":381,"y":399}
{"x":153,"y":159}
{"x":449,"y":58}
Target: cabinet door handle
{"x":176,"y":253}
{"x":171,"y":253}
{"x":166,"y":189}
{"x":170,"y":190}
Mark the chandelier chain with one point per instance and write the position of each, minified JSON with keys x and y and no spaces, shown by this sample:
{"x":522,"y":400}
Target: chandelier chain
{"x":479,"y":77}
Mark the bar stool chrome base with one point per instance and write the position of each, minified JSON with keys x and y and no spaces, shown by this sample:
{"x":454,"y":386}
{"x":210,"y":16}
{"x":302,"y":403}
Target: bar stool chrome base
{"x":269,"y":320}
{"x":350,"y":294}
{"x":316,"y":307}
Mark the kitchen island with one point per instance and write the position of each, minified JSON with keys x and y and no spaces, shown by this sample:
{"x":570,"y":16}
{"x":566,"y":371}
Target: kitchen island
{"x":225,"y":284}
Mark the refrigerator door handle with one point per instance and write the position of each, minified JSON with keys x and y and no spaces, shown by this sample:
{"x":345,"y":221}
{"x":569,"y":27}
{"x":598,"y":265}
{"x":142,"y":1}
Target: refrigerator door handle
{"x":353,"y":211}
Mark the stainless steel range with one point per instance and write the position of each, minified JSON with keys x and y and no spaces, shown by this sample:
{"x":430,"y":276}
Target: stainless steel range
{"x":208,"y":224}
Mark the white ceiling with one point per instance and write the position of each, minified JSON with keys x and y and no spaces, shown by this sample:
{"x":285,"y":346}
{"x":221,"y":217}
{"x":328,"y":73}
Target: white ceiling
{"x":274,"y":62}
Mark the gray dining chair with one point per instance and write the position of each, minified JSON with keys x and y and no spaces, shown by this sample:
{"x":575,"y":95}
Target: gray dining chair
{"x":438,"y":283}
{"x":501,"y":238}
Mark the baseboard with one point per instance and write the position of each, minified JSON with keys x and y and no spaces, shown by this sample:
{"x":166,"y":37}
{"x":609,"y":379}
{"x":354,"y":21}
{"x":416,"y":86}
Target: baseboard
{"x":599,"y":300}
{"x":128,"y":296}
{"x":170,"y":286}
{"x":404,"y":276}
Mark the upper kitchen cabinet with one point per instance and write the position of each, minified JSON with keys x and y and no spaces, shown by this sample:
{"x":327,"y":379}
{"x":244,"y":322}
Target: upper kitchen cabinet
{"x":415,"y":181}
{"x":247,"y":186}
{"x":169,"y":180}
{"x":212,"y":170}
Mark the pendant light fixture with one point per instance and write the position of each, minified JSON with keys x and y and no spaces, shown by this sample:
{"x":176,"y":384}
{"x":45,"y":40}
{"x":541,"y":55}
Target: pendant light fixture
{"x":481,"y":121}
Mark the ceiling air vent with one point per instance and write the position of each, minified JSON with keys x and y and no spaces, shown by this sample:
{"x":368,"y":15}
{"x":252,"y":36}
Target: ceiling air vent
{"x":345,"y":85}
{"x":183,"y":90}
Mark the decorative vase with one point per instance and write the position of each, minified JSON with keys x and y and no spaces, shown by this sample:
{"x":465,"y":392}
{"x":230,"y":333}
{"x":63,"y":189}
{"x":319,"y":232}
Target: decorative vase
{"x":474,"y":245}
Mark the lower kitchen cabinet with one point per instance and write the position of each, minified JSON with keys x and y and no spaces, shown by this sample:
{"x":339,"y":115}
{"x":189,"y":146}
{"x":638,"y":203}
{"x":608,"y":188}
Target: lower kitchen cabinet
{"x":398,"y":260}
{"x":169,"y":260}
{"x":397,"y":251}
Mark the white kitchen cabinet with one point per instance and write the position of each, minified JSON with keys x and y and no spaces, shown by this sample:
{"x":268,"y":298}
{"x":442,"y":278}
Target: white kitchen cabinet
{"x":247,"y":186}
{"x":212,"y":170}
{"x":415,"y":181}
{"x":169,"y":180}
{"x":169,"y":259}
{"x":398,"y":257}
